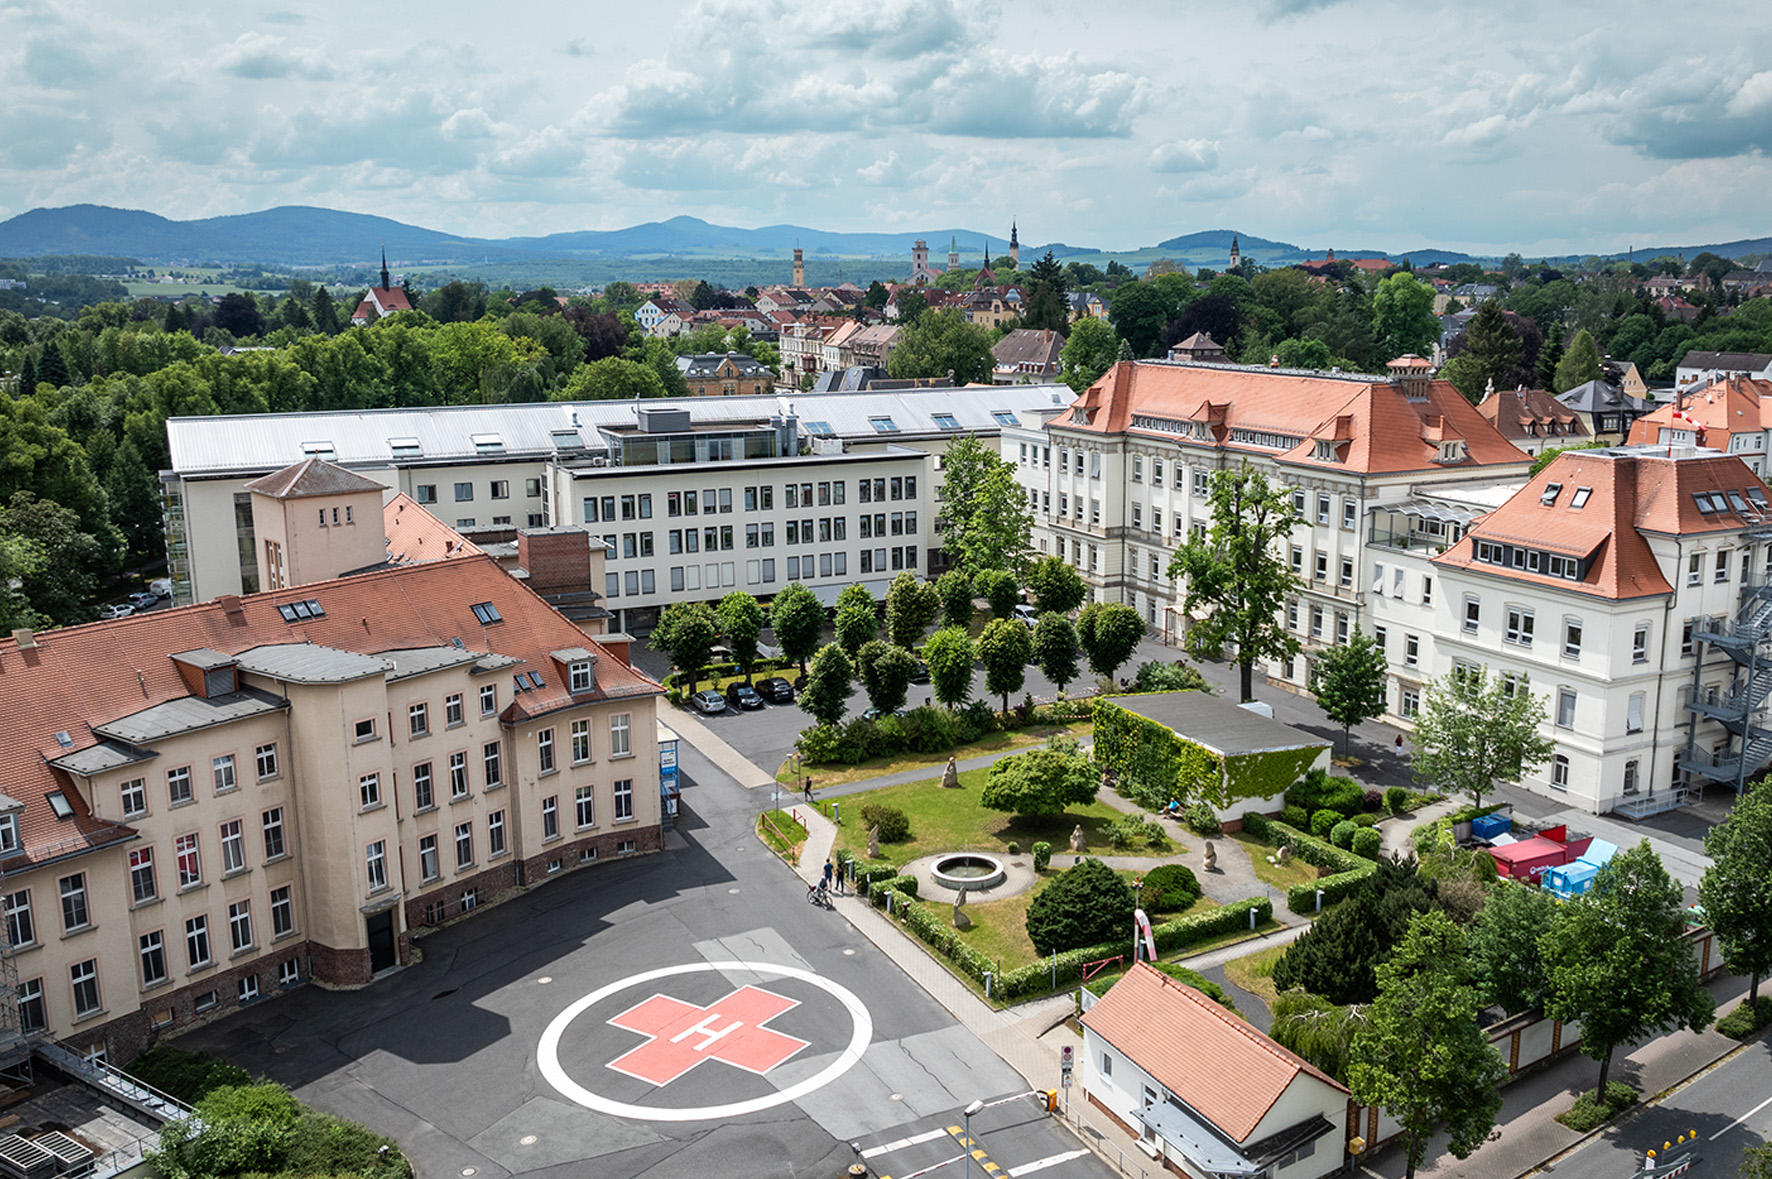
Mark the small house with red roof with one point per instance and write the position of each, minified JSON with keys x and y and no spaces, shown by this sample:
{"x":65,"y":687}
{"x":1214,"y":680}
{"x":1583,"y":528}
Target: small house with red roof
{"x":381,"y":301}
{"x":1202,"y":1091}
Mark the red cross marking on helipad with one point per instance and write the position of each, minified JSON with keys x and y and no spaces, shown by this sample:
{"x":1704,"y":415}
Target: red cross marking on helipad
{"x":681,"y":1035}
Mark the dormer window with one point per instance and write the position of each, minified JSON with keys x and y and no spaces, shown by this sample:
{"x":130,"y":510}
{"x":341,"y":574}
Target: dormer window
{"x":1325,"y":451}
{"x":487,"y":613}
{"x":578,"y":676}
{"x":487,"y":443}
{"x":1452,"y":451}
{"x":9,"y":833}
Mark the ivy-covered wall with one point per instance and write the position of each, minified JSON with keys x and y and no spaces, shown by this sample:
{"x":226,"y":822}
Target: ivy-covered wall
{"x":1155,"y":764}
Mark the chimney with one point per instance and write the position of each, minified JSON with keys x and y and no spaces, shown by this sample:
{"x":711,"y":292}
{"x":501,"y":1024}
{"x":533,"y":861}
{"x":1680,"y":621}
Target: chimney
{"x":557,"y":562}
{"x":25,"y":637}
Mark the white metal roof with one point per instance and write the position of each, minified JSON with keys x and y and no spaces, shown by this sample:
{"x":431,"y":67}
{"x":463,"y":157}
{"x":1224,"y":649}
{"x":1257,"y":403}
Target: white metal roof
{"x":233,"y":445}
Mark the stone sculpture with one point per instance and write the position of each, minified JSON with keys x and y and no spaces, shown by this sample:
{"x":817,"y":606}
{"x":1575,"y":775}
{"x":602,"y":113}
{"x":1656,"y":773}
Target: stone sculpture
{"x":1078,"y":844}
{"x":1211,"y":857}
{"x":874,"y":842}
{"x":950,"y":777}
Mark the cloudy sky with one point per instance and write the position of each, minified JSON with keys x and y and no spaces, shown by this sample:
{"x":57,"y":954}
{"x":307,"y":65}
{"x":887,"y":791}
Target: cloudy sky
{"x":1541,"y":125}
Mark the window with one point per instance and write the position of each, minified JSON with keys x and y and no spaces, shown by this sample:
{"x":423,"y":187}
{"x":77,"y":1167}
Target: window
{"x":1322,"y":508}
{"x":624,"y":799}
{"x":458,"y":776}
{"x":1630,"y":776}
{"x":1411,"y":650}
{"x":464,"y":492}
{"x":1572,"y":638}
{"x":427,"y":493}
{"x":422,"y":796}
{"x":369,"y":790}
{"x":625,"y":847}
{"x":550,"y":817}
{"x":1137,"y":469}
{"x":1409,"y":702}
{"x":190,"y":861}
{"x":487,"y":613}
{"x":490,"y":758}
{"x":1378,"y":638}
{"x":544,"y":751}
{"x":1427,"y":590}
{"x":246,"y":989}
{"x":1340,"y":627}
{"x":1695,"y":569}
{"x":418,"y":719}
{"x":1639,"y":644}
{"x":141,"y":875}
{"x":1347,"y":571}
{"x":1297,"y":557}
{"x":134,"y":796}
{"x":1559,"y":773}
{"x":1316,"y":622}
{"x":375,"y":864}
{"x":84,"y":976}
{"x":1566,"y":708}
{"x":153,"y":958}
{"x":1686,"y":639}
{"x":581,"y":742}
{"x":488,"y":699}
{"x":495,"y":834}
{"x":197,"y":941}
{"x":31,"y":1014}
{"x":265,"y":756}
{"x":1350,"y":514}
{"x":1520,"y":625}
{"x":364,"y":730}
{"x":1322,"y":567}
{"x":587,"y":810}
{"x":289,"y":971}
{"x":1633,"y":713}
{"x":74,"y":912}
{"x":272,"y":823}
{"x":240,"y":925}
{"x":20,"y":929}
{"x":452,"y":712}
{"x":464,"y":845}
{"x":429,"y":866}
{"x":1722,"y":565}
{"x":1202,"y":482}
{"x":233,"y":847}
{"x":1292,"y":616}
{"x":1473,"y":614}
{"x":222,"y":769}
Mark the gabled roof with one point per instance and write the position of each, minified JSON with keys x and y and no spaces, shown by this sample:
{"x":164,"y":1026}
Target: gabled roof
{"x":1735,"y":362}
{"x":1718,"y":410}
{"x":1631,"y":493}
{"x":117,"y":679}
{"x":311,"y":477}
{"x":1378,"y":428}
{"x":1028,"y":346}
{"x":1531,"y":413}
{"x":1599,"y":396}
{"x":1219,"y":1065}
{"x":416,"y":537}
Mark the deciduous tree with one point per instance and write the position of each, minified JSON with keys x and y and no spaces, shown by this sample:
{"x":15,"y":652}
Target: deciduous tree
{"x":988,"y":521}
{"x":1506,"y":966}
{"x":1004,"y":648}
{"x":911,"y":605}
{"x":687,"y":632}
{"x":1109,"y":633}
{"x":1236,"y":576}
{"x":1473,"y":731}
{"x":1617,"y":963}
{"x":826,"y":692}
{"x":1736,"y":890}
{"x":886,"y":673}
{"x":955,"y":590}
{"x":1421,"y":1056}
{"x":1349,"y":680}
{"x":941,"y":342}
{"x":1000,"y":588}
{"x":1091,"y":349}
{"x":949,"y":656}
{"x":1057,"y":587}
{"x":858,"y":619}
{"x":1580,"y":363}
{"x":1055,"y":648}
{"x":1403,"y":316}
{"x":741,"y":619}
{"x":797,"y":618}
{"x":1044,"y":782}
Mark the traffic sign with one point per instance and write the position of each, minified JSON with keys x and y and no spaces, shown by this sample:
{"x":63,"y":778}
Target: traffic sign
{"x":1064,"y":1061}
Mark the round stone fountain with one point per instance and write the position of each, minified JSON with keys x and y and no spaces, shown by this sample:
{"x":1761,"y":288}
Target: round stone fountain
{"x":968,"y":870}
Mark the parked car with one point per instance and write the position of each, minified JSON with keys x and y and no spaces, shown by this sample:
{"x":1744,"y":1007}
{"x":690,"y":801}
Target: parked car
{"x":742,"y":695}
{"x":874,"y":714}
{"x":708,"y":701}
{"x":142,"y":599}
{"x":160,"y":587}
{"x":776,"y":690}
{"x":921,"y":675}
{"x":120,"y":610}
{"x":1028,"y":615}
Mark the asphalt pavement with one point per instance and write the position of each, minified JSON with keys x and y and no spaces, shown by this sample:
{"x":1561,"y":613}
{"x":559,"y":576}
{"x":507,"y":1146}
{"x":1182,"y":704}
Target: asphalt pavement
{"x":681,"y":1014}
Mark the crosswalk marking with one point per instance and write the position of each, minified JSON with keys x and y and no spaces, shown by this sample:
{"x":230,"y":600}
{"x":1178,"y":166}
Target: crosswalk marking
{"x":913,"y":1140}
{"x":1042,"y":1164}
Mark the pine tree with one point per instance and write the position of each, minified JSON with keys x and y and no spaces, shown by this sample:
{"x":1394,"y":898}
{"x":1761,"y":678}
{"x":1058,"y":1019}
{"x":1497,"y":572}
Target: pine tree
{"x":27,"y":378}
{"x":52,"y":369}
{"x":1579,"y":365}
{"x":325,"y":312}
{"x":1549,"y":355}
{"x":1492,"y":345}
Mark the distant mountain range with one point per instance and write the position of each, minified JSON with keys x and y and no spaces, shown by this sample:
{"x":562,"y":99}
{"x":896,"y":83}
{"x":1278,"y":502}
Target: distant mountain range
{"x":300,"y":235}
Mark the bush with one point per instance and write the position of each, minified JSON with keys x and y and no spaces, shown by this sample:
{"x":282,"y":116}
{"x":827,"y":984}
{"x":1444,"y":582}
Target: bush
{"x":894,"y":824}
{"x":905,"y":884}
{"x":326,"y":1145}
{"x":867,"y":878}
{"x":1155,"y":837}
{"x":1367,"y":842}
{"x":1088,"y":903}
{"x":1014,"y":848}
{"x":1374,"y":800}
{"x":1342,"y":834}
{"x":1590,"y":1111}
{"x":1365,"y":820}
{"x":1042,"y":855}
{"x":1181,"y":974}
{"x":1170,"y":888}
{"x":1295,"y":816}
{"x":188,"y":1076}
{"x":1171,"y":937}
{"x":1201,"y":820}
{"x":1324,"y":822}
{"x":1318,"y":791}
{"x":1747,"y":1018}
{"x":1395,"y":799}
{"x":1169,"y":677}
{"x":1255,"y":824}
{"x":1432,"y":837}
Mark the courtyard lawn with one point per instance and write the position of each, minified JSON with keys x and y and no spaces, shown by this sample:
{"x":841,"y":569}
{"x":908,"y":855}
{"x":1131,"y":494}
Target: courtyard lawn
{"x":1281,"y":876}
{"x":1255,"y":973}
{"x":879,"y":767}
{"x":952,"y":820}
{"x":999,"y":928}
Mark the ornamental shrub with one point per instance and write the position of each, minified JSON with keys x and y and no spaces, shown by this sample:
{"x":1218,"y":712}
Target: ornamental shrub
{"x":894,"y":824}
{"x":1088,"y":903}
{"x":1042,"y":855}
{"x":1201,"y":820}
{"x":1373,"y":800}
{"x":1318,"y":791}
{"x":1324,"y":822}
{"x":1367,"y":842}
{"x":1295,"y":816}
{"x":188,"y":1076}
{"x":1365,"y":820}
{"x":1395,"y":799}
{"x":1342,"y":834}
{"x":1169,"y":888}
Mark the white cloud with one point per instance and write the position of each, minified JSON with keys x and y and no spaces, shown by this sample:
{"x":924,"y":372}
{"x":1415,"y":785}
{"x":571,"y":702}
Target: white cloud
{"x":1185,"y":155}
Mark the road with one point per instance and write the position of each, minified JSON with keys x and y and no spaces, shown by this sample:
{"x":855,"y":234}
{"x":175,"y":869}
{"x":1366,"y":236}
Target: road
{"x":1729,"y":1107}
{"x":779,"y":1040}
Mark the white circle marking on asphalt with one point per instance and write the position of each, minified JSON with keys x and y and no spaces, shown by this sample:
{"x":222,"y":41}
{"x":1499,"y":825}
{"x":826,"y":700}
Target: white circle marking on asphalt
{"x":547,"y":1052}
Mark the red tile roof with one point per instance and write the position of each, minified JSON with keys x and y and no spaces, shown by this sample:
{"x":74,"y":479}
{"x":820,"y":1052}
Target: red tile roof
{"x":1719,"y":411}
{"x":1223,"y":1068}
{"x":85,"y":676}
{"x":415,"y":536}
{"x":1629,"y":494}
{"x":1384,"y":430}
{"x":1531,"y":413}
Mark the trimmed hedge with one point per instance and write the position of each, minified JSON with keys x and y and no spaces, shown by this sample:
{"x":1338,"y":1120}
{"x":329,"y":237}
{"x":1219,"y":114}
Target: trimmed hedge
{"x":866,"y":878}
{"x":1302,"y":898}
{"x":1350,"y":870}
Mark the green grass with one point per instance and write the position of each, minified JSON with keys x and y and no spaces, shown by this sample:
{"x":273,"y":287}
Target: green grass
{"x":1281,"y":876}
{"x":879,"y":767}
{"x":1590,"y":1112}
{"x":782,"y":832}
{"x":1255,"y":973}
{"x":952,"y":820}
{"x":999,"y":928}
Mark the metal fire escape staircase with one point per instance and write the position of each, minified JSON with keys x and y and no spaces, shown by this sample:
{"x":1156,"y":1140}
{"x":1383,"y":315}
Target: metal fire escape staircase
{"x":1745,"y":640}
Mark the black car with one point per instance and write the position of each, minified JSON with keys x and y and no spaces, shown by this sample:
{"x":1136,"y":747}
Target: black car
{"x":742,"y":695}
{"x":776,"y":690}
{"x":921,"y":675}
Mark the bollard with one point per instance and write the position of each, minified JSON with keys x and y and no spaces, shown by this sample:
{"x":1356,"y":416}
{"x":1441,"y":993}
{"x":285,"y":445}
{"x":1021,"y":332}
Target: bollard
{"x":837,"y":813}
{"x":1319,"y":900}
{"x":987,"y":984}
{"x":1251,"y":918}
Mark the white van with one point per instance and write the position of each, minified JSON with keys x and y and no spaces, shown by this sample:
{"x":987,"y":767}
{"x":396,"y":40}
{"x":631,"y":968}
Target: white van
{"x":162,"y":588}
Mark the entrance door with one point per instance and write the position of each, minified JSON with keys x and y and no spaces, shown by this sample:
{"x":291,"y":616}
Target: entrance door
{"x":380,"y":928}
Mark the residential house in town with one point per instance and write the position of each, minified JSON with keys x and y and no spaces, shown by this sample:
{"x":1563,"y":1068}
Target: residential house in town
{"x":1198,"y":346}
{"x":663,"y":315}
{"x":1608,"y":408}
{"x":207,"y":804}
{"x":1731,"y":414}
{"x":724,"y":374}
{"x":1027,"y":356}
{"x":873,"y":344}
{"x":1701,"y":368}
{"x":1533,"y":420}
{"x":1203,"y":1092}
{"x":991,"y":306}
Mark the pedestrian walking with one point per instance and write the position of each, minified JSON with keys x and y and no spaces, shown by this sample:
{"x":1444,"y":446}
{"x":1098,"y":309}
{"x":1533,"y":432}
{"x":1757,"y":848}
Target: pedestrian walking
{"x":827,"y":873}
{"x":1399,"y":745}
{"x":807,"y":789}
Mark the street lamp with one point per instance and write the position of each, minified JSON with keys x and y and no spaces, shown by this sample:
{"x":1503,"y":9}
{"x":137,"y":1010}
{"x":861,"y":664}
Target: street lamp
{"x":970,"y":1110}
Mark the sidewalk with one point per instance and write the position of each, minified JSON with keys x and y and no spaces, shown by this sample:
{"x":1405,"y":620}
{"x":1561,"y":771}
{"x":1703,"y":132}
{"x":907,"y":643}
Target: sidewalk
{"x":715,"y":749}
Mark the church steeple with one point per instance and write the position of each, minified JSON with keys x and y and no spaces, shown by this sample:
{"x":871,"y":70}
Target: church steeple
{"x":1236,"y":254}
{"x":385,"y":284}
{"x":1014,"y":245}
